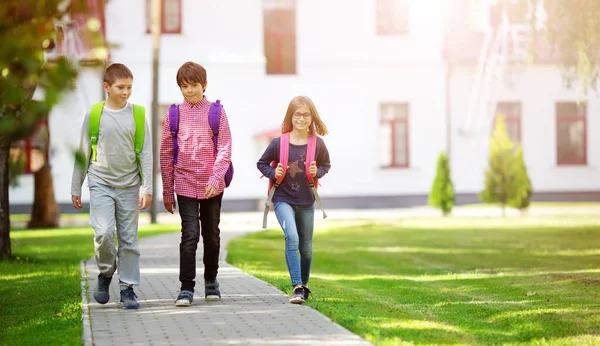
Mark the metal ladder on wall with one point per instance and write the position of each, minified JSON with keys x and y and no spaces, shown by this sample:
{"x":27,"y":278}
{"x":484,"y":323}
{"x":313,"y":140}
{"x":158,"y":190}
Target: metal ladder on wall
{"x":504,"y":45}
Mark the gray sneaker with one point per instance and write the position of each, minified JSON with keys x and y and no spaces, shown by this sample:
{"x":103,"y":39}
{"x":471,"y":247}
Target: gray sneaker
{"x":297,"y":296}
{"x":128,"y":299}
{"x":101,"y":292}
{"x":211,"y":291}
{"x":185,"y":298}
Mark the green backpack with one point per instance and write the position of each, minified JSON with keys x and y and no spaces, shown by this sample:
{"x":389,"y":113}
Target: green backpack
{"x":139,"y":116}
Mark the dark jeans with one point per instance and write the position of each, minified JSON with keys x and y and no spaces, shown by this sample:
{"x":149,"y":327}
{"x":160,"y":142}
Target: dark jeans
{"x":208,"y":212}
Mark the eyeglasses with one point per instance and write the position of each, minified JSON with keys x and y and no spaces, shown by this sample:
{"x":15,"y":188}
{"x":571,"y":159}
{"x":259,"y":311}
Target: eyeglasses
{"x":306,"y":116}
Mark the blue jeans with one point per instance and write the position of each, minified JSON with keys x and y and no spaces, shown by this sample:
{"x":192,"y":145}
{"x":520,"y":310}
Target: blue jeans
{"x":297,"y":223}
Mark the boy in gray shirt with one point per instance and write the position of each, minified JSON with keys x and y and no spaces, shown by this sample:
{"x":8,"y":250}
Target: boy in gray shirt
{"x":115,"y":172}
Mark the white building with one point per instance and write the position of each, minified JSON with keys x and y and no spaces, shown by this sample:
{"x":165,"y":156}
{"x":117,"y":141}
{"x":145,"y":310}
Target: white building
{"x":391,"y":81}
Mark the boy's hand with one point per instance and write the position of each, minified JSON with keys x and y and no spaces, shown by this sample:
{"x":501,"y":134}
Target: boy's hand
{"x":278,"y":171}
{"x":170,"y":206}
{"x":210,"y":191}
{"x":145,"y":201}
{"x":77,"y":202}
{"x":312,"y":169}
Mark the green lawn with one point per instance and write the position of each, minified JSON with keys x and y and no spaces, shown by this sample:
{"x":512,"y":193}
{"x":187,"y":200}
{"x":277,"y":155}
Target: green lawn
{"x":40,"y":289}
{"x":529,"y":280}
{"x":541,"y":205}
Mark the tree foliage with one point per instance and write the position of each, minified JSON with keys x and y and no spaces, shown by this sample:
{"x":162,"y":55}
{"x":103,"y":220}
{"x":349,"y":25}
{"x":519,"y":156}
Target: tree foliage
{"x":569,"y":30}
{"x":442,"y":191}
{"x":498,"y":178}
{"x":523,"y":191}
{"x":26,"y":29}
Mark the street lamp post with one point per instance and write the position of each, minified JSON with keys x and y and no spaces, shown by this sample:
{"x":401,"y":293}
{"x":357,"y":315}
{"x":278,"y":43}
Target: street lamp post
{"x":156,"y":31}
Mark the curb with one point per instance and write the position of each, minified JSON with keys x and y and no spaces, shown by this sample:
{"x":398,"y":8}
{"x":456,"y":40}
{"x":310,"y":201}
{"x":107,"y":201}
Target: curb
{"x":86,"y":335}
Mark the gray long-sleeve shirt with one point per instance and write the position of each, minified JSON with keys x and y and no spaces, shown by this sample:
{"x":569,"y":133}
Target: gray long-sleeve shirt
{"x":115,"y":164}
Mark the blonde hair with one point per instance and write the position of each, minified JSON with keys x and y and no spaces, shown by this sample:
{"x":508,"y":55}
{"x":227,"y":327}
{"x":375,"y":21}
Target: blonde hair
{"x":316,"y":126}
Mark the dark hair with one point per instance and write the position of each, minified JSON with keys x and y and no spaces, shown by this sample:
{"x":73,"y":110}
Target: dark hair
{"x":116,"y":71}
{"x":190,"y":72}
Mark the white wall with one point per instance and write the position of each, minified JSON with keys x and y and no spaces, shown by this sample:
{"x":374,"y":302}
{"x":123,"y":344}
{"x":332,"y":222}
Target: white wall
{"x":341,"y":64}
{"x":65,"y":125}
{"x":348,"y":71}
{"x":538,"y":88}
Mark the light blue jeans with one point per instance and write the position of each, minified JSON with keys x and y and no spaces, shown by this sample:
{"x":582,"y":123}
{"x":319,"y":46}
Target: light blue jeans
{"x":298,"y":224}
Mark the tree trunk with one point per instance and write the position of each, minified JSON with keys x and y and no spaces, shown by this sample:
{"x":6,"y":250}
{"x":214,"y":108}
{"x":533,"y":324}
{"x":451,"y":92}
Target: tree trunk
{"x":5,"y":252}
{"x":45,"y":212}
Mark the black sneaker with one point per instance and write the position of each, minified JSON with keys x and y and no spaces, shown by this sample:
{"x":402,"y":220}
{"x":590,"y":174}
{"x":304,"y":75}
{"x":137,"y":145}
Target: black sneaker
{"x":306,"y":292}
{"x":101,"y":292}
{"x":211,"y":291}
{"x":128,"y":299}
{"x":297,"y":295}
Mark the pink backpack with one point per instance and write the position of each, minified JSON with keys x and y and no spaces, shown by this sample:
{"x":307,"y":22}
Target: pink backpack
{"x":284,"y":151}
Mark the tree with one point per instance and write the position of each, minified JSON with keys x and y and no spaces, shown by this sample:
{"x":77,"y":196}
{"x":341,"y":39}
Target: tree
{"x":45,"y":212}
{"x":523,"y":190}
{"x":26,"y":28}
{"x":499,"y":178}
{"x":442,"y":192}
{"x":571,"y":30}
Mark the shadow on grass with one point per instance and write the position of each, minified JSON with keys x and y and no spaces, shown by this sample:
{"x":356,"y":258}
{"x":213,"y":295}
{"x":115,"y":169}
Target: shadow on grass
{"x":37,"y":300}
{"x":479,"y":311}
{"x":422,"y":285}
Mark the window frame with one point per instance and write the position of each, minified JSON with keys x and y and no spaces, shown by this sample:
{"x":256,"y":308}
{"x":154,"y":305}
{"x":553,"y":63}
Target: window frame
{"x":512,"y":119}
{"x":386,"y":9}
{"x":163,"y":30}
{"x":572,"y":119}
{"x":394,"y":123}
{"x":278,"y":37}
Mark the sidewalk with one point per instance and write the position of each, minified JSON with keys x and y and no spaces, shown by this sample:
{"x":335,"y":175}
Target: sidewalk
{"x":251,"y":311}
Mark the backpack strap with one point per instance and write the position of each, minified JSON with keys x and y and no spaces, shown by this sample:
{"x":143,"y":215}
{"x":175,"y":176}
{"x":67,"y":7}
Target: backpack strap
{"x":214,"y":120}
{"x":139,"y":116}
{"x":284,"y":151}
{"x":311,"y":152}
{"x":174,"y":128}
{"x":95,"y":114}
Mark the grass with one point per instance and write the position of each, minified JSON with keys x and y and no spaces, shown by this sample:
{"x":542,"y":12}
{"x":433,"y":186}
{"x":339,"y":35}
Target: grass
{"x":40,"y":288}
{"x":541,"y":205}
{"x":522,"y":280}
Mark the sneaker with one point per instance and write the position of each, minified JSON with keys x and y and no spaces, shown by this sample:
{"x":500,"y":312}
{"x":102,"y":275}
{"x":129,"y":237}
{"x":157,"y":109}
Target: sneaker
{"x":185,"y":298}
{"x":306,"y":292}
{"x":297,"y":295}
{"x":211,"y":291}
{"x":101,"y":292}
{"x":128,"y":299}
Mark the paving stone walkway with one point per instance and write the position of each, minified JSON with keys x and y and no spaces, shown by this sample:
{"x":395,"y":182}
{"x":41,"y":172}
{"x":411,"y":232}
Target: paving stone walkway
{"x":251,"y":312}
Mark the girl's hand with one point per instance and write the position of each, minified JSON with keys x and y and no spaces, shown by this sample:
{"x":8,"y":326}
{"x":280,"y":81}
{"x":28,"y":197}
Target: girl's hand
{"x":278,"y":171}
{"x":312,"y":169}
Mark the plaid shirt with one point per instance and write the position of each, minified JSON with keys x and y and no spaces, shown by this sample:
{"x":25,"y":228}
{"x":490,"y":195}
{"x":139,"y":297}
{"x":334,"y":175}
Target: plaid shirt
{"x":196,"y":166}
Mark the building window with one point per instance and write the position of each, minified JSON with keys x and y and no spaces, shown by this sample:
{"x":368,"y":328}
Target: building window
{"x":393,"y":17}
{"x":511,"y":111}
{"x":571,"y":133}
{"x":171,"y":16}
{"x":394,"y":134}
{"x":280,"y":36}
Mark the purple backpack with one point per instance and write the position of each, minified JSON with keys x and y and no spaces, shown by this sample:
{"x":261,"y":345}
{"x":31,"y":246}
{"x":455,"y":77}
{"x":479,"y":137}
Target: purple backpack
{"x":214,"y":117}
